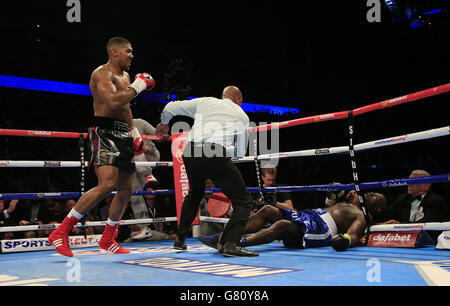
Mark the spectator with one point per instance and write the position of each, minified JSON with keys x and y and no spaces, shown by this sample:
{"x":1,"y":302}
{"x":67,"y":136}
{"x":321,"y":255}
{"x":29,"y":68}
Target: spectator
{"x":69,"y":204}
{"x":142,"y":210}
{"x":30,"y":212}
{"x":6,"y":209}
{"x":91,"y":230}
{"x":157,"y":231}
{"x":169,"y":210}
{"x":155,"y":211}
{"x":138,"y":205}
{"x":277,"y":199}
{"x":59,"y":211}
{"x":8,"y":236}
{"x":103,"y":208}
{"x":419,"y":204}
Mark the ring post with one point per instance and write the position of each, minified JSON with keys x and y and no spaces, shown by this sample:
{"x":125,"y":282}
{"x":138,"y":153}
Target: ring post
{"x":355,"y":175}
{"x":82,"y":166}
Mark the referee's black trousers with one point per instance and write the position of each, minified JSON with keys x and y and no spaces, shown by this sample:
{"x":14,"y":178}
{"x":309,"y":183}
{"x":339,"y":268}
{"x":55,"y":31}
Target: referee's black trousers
{"x":225,"y":176}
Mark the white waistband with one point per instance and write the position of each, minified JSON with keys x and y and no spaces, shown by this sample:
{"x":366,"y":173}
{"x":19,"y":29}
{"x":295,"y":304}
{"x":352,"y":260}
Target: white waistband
{"x":330,"y":222}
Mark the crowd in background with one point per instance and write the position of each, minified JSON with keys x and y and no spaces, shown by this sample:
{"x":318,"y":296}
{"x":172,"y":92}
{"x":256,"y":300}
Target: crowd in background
{"x":53,"y":211}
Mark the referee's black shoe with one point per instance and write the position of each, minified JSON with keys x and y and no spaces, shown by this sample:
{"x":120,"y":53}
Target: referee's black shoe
{"x":231,"y":249}
{"x":180,"y":243}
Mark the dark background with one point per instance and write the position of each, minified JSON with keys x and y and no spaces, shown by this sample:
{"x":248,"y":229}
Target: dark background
{"x":318,"y":56}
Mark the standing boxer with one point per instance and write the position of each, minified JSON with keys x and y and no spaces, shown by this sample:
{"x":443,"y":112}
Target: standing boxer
{"x":220,"y":131}
{"x":113,"y":140}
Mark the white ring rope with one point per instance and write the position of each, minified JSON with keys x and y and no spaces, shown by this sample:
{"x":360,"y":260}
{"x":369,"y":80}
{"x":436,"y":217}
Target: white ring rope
{"x":433,"y":133}
{"x":430,"y":226}
{"x":41,"y":227}
{"x":66,"y":164}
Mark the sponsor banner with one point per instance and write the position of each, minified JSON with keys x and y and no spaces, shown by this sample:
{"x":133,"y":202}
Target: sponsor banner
{"x":39,"y":133}
{"x":180,"y":175}
{"x":324,"y":117}
{"x":322,"y":151}
{"x":406,"y":239}
{"x":48,"y":195}
{"x":41,"y":244}
{"x":52,"y":164}
{"x":392,"y":102}
{"x":391,"y":140}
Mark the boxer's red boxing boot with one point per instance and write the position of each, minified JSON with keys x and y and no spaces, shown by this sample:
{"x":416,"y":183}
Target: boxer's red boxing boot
{"x":108,"y":243}
{"x":59,"y":238}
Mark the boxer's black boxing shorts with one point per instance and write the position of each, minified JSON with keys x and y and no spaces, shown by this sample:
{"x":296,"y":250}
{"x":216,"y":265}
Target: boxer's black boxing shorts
{"x":111,"y":144}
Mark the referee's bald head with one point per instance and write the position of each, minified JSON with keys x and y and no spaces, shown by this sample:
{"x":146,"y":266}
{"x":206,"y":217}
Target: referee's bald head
{"x":233,"y":93}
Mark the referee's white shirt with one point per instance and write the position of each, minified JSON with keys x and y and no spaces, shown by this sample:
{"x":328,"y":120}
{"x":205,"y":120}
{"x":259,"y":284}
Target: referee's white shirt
{"x":215,"y":120}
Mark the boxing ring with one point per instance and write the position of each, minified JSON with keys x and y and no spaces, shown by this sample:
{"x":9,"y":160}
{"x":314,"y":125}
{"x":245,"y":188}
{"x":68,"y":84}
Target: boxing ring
{"x":156,"y":263}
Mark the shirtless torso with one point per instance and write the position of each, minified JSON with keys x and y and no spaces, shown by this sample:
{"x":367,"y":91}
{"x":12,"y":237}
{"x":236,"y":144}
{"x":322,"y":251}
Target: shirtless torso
{"x":104,"y":82}
{"x":349,"y":219}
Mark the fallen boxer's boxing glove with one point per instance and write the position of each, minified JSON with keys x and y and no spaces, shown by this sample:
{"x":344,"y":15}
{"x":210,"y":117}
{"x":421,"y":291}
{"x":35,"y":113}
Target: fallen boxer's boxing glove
{"x":341,"y":242}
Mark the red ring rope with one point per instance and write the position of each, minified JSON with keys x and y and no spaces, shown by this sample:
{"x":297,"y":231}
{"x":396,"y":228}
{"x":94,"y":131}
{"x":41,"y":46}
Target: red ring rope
{"x":306,"y":120}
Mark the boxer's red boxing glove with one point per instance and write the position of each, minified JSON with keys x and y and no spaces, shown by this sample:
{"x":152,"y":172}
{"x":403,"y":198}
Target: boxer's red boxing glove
{"x":147,"y":78}
{"x":142,"y":81}
{"x":139,"y":146}
{"x":138,"y":142}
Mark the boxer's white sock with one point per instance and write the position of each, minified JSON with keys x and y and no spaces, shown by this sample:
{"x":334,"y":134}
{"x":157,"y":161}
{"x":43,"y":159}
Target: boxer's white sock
{"x":111,"y":222}
{"x":74,"y":213}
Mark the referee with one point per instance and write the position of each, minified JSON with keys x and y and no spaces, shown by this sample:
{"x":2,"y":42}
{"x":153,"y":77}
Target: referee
{"x":219,"y":132}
